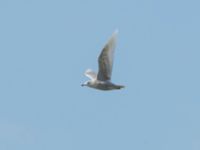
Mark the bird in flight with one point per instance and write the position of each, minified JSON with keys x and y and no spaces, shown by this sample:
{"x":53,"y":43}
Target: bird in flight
{"x":102,"y":80}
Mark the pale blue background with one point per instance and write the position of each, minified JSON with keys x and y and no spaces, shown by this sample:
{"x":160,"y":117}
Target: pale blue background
{"x":46,"y":45}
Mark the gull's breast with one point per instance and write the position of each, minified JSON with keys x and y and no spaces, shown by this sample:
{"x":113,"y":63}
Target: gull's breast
{"x":104,"y":85}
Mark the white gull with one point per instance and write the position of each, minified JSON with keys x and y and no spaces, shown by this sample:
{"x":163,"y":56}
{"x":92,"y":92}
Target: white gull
{"x":102,"y":80}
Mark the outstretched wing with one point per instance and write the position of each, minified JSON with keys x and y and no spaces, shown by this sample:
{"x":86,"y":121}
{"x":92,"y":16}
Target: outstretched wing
{"x":90,"y":74}
{"x":105,"y":59}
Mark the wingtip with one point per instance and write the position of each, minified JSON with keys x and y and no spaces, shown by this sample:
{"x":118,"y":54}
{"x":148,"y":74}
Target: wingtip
{"x":116,"y":31}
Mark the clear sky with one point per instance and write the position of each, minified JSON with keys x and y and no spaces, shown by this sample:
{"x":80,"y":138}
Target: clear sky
{"x":45,"y":47}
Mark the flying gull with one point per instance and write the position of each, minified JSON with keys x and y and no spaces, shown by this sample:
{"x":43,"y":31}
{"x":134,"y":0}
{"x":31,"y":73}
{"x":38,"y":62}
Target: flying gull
{"x":102,"y":80}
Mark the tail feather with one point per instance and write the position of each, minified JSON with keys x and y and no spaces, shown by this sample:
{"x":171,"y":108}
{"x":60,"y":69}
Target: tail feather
{"x":120,"y":86}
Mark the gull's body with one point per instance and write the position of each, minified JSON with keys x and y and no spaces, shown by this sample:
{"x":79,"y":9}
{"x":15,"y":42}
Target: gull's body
{"x":102,"y":80}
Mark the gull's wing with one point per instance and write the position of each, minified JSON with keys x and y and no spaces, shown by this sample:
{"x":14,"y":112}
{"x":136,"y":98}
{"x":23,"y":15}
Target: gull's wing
{"x":105,"y":59}
{"x":90,"y":74}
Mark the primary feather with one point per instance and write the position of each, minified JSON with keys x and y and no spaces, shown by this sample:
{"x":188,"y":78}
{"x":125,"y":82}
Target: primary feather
{"x":105,"y":59}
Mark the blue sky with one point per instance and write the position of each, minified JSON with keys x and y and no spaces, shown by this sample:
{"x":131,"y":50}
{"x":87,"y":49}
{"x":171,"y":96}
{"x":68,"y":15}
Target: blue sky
{"x":46,"y":45}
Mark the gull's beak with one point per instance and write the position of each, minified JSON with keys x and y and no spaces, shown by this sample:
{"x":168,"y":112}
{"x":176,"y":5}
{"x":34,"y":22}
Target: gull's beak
{"x":84,"y":84}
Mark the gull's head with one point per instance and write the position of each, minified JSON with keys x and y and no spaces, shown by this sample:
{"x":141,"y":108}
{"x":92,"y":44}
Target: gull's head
{"x":87,"y":83}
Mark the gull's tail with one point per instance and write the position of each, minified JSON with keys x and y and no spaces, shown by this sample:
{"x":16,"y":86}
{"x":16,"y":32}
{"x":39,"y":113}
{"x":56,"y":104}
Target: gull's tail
{"x":119,"y":86}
